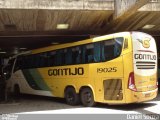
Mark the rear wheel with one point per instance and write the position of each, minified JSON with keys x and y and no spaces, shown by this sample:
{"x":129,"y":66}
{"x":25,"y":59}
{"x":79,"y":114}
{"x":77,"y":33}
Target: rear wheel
{"x":87,"y":97}
{"x":72,"y":98}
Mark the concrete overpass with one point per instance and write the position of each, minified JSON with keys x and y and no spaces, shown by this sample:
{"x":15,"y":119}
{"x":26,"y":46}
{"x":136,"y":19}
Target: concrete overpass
{"x":31,"y":24}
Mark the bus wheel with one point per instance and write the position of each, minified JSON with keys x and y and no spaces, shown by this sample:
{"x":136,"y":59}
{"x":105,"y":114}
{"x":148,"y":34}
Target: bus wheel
{"x":16,"y":92}
{"x":72,"y":98}
{"x":87,"y":97}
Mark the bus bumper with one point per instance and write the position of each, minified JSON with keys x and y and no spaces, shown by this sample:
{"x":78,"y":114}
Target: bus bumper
{"x":145,"y":96}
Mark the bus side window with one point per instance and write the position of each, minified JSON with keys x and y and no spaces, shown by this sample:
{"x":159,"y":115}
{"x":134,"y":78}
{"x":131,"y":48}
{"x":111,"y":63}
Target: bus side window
{"x":73,"y":55}
{"x":59,"y":57}
{"x":30,"y":60}
{"x":26,"y":63}
{"x":51,"y":58}
{"x":118,"y":46}
{"x":47,"y":59}
{"x":36,"y":61}
{"x":108,"y":50}
{"x":20,"y":62}
{"x":68,"y":56}
{"x":89,"y":58}
{"x":76,"y":55}
{"x":97,"y":52}
{"x":83,"y":50}
{"x":42,"y":60}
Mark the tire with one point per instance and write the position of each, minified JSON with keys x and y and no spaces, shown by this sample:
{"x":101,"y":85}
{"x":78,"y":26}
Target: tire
{"x":87,"y":97}
{"x":16,"y":92}
{"x":72,"y":98}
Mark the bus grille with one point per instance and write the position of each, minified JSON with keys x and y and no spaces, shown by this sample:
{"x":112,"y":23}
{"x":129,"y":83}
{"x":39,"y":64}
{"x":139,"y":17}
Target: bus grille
{"x":145,"y":65}
{"x":113,"y":89}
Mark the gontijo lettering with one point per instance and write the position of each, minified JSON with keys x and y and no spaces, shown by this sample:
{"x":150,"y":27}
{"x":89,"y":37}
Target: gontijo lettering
{"x":66,"y":71}
{"x":145,"y":56}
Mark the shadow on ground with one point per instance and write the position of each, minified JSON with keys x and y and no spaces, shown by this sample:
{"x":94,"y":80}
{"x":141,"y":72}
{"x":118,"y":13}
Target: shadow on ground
{"x":28,"y":103}
{"x":138,"y":107}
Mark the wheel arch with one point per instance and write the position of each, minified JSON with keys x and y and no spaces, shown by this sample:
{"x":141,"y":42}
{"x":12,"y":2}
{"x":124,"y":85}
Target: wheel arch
{"x":69,"y":86}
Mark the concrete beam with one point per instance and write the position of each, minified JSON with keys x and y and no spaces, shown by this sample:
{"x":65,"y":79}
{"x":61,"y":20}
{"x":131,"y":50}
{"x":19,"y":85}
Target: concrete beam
{"x":58,"y":4}
{"x":126,"y":8}
{"x":123,"y":10}
{"x":151,"y":7}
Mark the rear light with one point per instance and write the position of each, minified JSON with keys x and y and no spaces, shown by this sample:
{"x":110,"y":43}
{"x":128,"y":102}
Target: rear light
{"x":131,"y":82}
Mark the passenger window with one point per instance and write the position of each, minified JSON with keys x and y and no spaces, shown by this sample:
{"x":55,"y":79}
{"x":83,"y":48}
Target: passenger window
{"x":68,"y":56}
{"x":59,"y":57}
{"x":111,"y":48}
{"x":118,"y":46}
{"x":89,"y":53}
{"x":36,"y":60}
{"x":97,"y":52}
{"x":42,"y":59}
{"x":77,"y":55}
{"x":108,"y":50}
{"x":52,"y":59}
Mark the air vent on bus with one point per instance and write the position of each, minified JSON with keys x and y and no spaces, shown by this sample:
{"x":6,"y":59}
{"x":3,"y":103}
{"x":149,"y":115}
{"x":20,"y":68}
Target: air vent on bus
{"x":145,"y":65}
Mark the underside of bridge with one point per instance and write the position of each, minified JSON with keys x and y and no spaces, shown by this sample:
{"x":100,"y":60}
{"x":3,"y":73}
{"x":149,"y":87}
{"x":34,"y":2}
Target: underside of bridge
{"x":30,"y":24}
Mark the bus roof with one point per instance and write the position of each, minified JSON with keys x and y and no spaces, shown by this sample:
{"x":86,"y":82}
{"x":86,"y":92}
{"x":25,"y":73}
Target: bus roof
{"x":96,"y":39}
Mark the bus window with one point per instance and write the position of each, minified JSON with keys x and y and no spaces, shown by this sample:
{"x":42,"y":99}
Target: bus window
{"x":108,"y":50}
{"x":97,"y":52}
{"x":111,"y":48}
{"x":76,"y":55}
{"x":118,"y":46}
{"x":83,"y":49}
{"x":25,"y":62}
{"x":51,"y":58}
{"x":59,"y":60}
{"x":89,"y":58}
{"x":36,"y":60}
{"x":90,"y":53}
{"x":68,"y":56}
{"x":42,"y":59}
{"x":31,"y":61}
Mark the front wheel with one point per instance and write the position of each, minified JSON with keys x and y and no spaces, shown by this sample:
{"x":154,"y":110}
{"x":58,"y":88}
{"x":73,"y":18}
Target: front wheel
{"x":87,"y":97}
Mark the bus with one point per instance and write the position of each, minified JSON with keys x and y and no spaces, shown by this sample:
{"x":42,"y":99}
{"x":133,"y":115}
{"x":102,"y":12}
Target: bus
{"x":119,"y":68}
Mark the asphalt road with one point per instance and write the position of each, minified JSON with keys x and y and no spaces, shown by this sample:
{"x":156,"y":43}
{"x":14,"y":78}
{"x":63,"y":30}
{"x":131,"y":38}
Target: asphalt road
{"x":29,"y":104}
